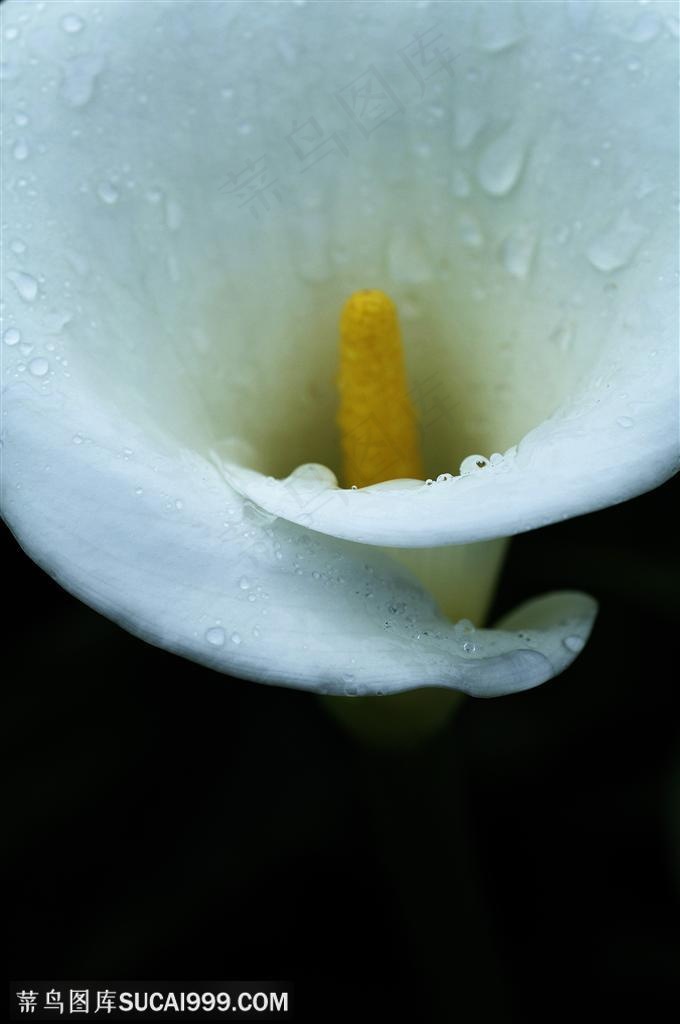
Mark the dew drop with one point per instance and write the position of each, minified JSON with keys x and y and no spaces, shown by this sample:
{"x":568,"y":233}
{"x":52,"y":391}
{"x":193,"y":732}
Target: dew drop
{"x":460,"y":184}
{"x":645,"y":28}
{"x":20,"y":150}
{"x":12,"y":336}
{"x":174,"y":215}
{"x":9,"y":70}
{"x":444,"y":478}
{"x":215,"y":636}
{"x":673,"y":25}
{"x":235,"y":638}
{"x":287,"y":51}
{"x":71,"y":23}
{"x":575,"y":644}
{"x":54,"y":323}
{"x":617,"y":245}
{"x":562,"y":337}
{"x":472,"y":464}
{"x":498,"y":27}
{"x":467,"y":124}
{"x":470,"y":232}
{"x":26,"y":285}
{"x":579,"y":13}
{"x":517,"y":252}
{"x":80,"y":76}
{"x":625,"y":421}
{"x":244,"y":583}
{"x":107,"y":192}
{"x":469,"y":647}
{"x":18,"y":246}
{"x":38,"y":366}
{"x":77,"y":439}
{"x":501,"y":164}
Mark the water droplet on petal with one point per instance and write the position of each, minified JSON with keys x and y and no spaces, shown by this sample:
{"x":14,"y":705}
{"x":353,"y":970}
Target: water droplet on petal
{"x":562,"y":337}
{"x":579,"y":13}
{"x":20,"y":150}
{"x":467,"y":124}
{"x":12,"y":336}
{"x":18,"y":246}
{"x":645,"y":28}
{"x":501,"y":164}
{"x":287,"y":51}
{"x":9,"y":70}
{"x":38,"y":366}
{"x":517,"y":252}
{"x":444,"y":478}
{"x":80,"y":76}
{"x":215,"y":636}
{"x":26,"y":285}
{"x":54,"y":323}
{"x":174,"y":215}
{"x":575,"y":644}
{"x":460,"y":184}
{"x":235,"y":638}
{"x":107,"y":192}
{"x":244,"y":583}
{"x":472,"y":464}
{"x":625,"y":421}
{"x":498,"y":26}
{"x":71,"y":23}
{"x":617,"y":245}
{"x":470,"y":232}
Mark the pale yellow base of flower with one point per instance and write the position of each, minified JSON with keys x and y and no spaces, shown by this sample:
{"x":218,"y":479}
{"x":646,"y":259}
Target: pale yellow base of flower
{"x":400,"y":722}
{"x":379,"y":438}
{"x":463,"y":579}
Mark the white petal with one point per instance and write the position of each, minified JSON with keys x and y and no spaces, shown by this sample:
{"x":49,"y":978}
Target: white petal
{"x":167,"y":551}
{"x":159,"y":319}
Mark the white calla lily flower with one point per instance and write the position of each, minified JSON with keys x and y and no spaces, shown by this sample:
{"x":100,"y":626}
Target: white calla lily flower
{"x":191,"y":191}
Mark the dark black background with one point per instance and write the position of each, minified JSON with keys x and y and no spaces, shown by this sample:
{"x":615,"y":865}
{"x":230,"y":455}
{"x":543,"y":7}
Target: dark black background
{"x":170,"y":822}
